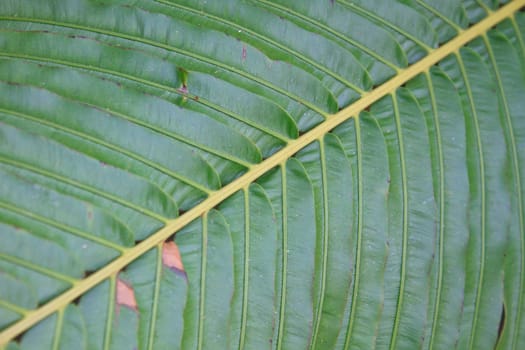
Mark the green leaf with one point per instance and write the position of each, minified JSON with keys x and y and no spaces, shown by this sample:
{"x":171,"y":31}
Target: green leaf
{"x":254,"y":174}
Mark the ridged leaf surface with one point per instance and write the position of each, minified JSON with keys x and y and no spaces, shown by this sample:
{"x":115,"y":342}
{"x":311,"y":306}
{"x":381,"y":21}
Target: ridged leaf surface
{"x":255,"y":174}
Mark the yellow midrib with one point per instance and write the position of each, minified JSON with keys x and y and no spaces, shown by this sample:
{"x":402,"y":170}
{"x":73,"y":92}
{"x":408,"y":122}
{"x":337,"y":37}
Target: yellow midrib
{"x":258,"y":170}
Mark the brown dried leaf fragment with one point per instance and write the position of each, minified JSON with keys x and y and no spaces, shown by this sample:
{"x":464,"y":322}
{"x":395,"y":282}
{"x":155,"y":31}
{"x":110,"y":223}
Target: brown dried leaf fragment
{"x":171,"y":257}
{"x":126,"y":295}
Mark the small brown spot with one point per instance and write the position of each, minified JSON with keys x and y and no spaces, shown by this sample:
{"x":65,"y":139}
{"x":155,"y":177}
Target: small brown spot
{"x":90,"y":214}
{"x":126,"y":295}
{"x":196,"y":98}
{"x":171,"y":257}
{"x":244,"y":52}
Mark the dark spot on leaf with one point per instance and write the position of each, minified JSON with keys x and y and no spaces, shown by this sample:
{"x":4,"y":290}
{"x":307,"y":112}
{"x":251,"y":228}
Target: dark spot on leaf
{"x":88,"y":273}
{"x":77,"y":300}
{"x":244,"y":52}
{"x":196,"y":98}
{"x":71,"y":36}
{"x":18,"y":338}
{"x":501,"y":322}
{"x":90,"y":214}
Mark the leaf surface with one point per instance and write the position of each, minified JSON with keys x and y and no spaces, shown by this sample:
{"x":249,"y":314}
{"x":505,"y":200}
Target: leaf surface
{"x":262,"y":174}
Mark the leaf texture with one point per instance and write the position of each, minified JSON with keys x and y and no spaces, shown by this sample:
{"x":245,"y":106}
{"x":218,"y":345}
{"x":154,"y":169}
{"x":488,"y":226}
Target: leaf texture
{"x":262,"y":174}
